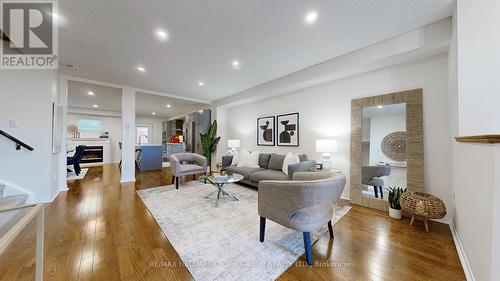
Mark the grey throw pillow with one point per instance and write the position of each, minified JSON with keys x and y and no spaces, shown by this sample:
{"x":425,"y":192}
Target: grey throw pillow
{"x":264,"y":160}
{"x":302,"y":157}
{"x":276,"y":162}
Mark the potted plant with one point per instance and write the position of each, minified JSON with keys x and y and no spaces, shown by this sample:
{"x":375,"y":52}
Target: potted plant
{"x":394,"y":206}
{"x":209,"y":143}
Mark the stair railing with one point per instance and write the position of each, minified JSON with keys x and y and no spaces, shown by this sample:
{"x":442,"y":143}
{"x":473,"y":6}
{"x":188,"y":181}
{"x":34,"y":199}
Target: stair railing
{"x":18,"y":142}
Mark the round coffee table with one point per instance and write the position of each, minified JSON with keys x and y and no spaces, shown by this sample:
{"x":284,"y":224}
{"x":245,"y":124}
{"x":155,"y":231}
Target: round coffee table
{"x":220,"y":182}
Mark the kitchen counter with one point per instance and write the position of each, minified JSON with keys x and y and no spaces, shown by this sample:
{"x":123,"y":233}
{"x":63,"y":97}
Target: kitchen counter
{"x":150,"y":156}
{"x":147,"y":144}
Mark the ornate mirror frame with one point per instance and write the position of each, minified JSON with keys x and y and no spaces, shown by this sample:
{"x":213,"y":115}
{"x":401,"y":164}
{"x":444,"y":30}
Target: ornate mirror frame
{"x":414,"y":143}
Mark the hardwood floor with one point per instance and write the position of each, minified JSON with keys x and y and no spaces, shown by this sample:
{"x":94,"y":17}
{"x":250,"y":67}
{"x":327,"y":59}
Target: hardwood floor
{"x":101,"y":230}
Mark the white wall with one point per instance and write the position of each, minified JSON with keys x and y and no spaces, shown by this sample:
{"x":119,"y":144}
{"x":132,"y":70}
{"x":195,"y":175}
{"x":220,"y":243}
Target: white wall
{"x":479,"y":62}
{"x":156,"y":123}
{"x":474,"y":89}
{"x":27,"y":96}
{"x":110,"y":124}
{"x":325,"y":112}
{"x":473,"y":181}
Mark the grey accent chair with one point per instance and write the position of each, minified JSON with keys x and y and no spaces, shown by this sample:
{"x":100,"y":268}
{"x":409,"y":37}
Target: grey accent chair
{"x":304,"y":204}
{"x":371,"y":175}
{"x":185,"y":164}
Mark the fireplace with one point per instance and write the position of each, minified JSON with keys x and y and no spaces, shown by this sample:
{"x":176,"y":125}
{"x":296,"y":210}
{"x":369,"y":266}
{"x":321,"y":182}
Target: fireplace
{"x":93,"y":154}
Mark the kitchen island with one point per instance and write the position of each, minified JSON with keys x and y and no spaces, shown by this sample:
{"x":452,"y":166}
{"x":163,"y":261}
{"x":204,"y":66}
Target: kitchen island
{"x":149,"y":156}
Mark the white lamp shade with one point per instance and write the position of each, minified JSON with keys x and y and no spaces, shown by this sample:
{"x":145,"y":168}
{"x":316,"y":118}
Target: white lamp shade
{"x":233,"y":143}
{"x":327,"y":145}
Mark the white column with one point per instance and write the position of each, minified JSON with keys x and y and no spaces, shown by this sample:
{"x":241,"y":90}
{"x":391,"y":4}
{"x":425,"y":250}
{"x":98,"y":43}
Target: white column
{"x":39,"y":245}
{"x":219,"y":114}
{"x":63,"y":99}
{"x":128,"y":134}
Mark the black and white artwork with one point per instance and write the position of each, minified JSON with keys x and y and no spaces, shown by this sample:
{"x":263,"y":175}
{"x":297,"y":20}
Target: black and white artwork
{"x":265,"y":131}
{"x":288,"y":129}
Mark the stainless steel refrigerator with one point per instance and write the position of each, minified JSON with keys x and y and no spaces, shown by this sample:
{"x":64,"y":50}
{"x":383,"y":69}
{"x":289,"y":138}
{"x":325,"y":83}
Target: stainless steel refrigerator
{"x":194,"y":124}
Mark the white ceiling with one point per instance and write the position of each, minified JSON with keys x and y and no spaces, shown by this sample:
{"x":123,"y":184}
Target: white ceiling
{"x":106,"y":98}
{"x":110,"y":99}
{"x":145,"y":104}
{"x":109,"y":39}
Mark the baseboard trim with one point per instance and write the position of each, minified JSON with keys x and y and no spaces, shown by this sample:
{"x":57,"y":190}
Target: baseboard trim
{"x":444,"y":220}
{"x":461,"y":253}
{"x":127,"y":180}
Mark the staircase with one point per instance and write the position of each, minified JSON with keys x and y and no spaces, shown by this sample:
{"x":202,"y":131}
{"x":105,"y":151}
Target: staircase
{"x":9,"y":202}
{"x":16,"y":197}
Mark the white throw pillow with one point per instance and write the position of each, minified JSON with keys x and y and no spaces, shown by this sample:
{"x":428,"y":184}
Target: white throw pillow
{"x":290,"y":158}
{"x":248,"y":159}
{"x":236,"y":157}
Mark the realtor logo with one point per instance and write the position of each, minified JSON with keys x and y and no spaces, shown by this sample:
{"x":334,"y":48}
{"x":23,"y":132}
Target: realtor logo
{"x":29,"y":35}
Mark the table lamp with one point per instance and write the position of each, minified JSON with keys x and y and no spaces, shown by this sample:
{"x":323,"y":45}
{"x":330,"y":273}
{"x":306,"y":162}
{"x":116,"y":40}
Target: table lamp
{"x":326,"y":146}
{"x":232,"y":144}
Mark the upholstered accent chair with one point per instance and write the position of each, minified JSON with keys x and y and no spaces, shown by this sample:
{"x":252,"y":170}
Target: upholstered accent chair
{"x":303,"y":204}
{"x":371,"y":175}
{"x":185,"y":164}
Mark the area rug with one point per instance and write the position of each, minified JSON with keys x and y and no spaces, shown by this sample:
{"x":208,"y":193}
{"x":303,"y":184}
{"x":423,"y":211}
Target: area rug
{"x":222,"y":243}
{"x":72,"y":175}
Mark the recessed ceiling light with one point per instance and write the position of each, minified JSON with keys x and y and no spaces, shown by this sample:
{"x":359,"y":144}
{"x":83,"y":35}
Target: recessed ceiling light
{"x":379,"y":107}
{"x":201,"y":83}
{"x":90,"y":93}
{"x":168,"y":105}
{"x":95,"y":106}
{"x":236,"y":64}
{"x":141,"y":68}
{"x":161,"y":35}
{"x":154,"y":113}
{"x":311,"y":17}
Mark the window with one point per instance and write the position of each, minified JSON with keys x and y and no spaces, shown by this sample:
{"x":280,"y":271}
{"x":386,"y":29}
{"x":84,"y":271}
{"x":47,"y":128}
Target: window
{"x":85,"y":124}
{"x":142,"y":134}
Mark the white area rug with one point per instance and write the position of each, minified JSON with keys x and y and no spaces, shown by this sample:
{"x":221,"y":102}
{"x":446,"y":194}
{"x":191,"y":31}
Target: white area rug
{"x":73,"y":176}
{"x":222,"y":243}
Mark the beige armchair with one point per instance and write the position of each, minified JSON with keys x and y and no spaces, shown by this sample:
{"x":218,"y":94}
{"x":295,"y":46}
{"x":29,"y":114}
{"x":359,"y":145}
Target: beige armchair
{"x":184,"y":164}
{"x":304,"y":204}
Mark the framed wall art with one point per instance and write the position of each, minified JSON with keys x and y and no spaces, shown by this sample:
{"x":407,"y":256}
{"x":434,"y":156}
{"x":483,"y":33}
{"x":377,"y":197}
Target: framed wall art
{"x":287,"y":127}
{"x":265,"y":130}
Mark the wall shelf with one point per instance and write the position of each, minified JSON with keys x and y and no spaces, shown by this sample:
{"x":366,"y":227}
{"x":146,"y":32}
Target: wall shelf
{"x":479,"y":138}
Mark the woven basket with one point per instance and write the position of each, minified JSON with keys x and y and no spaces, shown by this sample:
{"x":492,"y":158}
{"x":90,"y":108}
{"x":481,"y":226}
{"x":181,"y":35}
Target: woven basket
{"x":423,"y":204}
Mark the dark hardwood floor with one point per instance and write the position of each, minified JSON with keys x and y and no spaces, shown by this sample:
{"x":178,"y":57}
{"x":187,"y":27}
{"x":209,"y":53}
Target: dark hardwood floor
{"x":101,"y":230}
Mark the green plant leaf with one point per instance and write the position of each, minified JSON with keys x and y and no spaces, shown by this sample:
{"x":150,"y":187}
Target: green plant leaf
{"x":213,"y":146}
{"x":209,"y":141}
{"x":212,"y":131}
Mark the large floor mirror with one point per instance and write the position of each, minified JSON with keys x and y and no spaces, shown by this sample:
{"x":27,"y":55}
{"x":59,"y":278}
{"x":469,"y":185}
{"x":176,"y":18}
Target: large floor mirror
{"x":386,"y":146}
